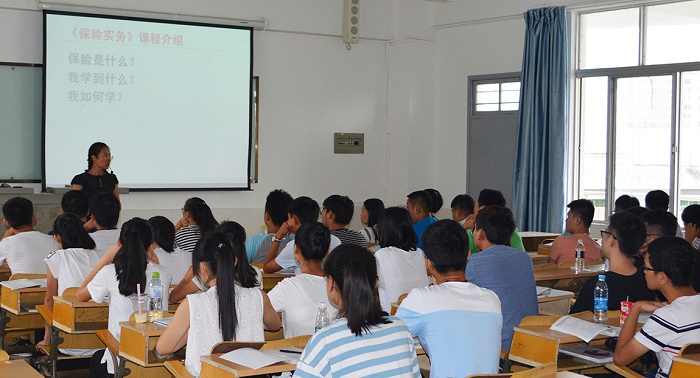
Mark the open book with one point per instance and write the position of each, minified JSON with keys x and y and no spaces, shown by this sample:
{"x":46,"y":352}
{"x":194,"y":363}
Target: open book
{"x":587,"y":353}
{"x":256,"y":359}
{"x":24,"y":283}
{"x":582,"y":329}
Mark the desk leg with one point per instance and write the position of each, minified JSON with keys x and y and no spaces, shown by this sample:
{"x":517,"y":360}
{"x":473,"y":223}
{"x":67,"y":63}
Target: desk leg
{"x":121,"y":370}
{"x":53,"y":355}
{"x":4,"y":319}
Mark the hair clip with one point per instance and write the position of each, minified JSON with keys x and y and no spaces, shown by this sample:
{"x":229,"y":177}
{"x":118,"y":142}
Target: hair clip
{"x":221,"y":245}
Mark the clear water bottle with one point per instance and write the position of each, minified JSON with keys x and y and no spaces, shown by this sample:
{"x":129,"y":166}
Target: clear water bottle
{"x":155,"y":298}
{"x":322,"y":317}
{"x":263,"y":230}
{"x":579,"y":263}
{"x":607,"y":265}
{"x":600,"y":300}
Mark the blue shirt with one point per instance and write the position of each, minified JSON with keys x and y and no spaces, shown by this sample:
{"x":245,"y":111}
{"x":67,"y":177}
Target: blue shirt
{"x":507,"y":271}
{"x":420,"y":226}
{"x":252,"y":243}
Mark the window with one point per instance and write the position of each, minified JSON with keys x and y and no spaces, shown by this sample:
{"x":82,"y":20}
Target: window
{"x":638,"y":111}
{"x":497,"y":97}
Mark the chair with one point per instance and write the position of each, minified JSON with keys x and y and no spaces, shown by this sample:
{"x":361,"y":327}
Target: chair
{"x":544,"y":371}
{"x":70,"y":292}
{"x":532,"y":349}
{"x":177,"y":369}
{"x":4,"y":356}
{"x":623,"y":371}
{"x":395,"y":305}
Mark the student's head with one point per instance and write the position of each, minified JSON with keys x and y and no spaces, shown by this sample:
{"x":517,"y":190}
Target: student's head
{"x":371,"y":209}
{"x":691,"y":221}
{"x":200,"y":213}
{"x":135,"y":242}
{"x":104,"y":208}
{"x":669,"y":260}
{"x":419,"y":204}
{"x":351,"y":273}
{"x":656,"y":199}
{"x":462,"y":207}
{"x":626,"y":231}
{"x":495,"y":224}
{"x":394,"y":229}
{"x":312,"y":241}
{"x":436,"y":199}
{"x":98,"y":154}
{"x":337,"y":209}
{"x":163,"y":232}
{"x":660,"y":223}
{"x":69,"y":232}
{"x":624,"y":202}
{"x":235,"y":233}
{"x":488,"y":197}
{"x":446,"y":246}
{"x":214,"y":259}
{"x":276,"y":206}
{"x":302,"y":210}
{"x":18,"y":212}
{"x":75,"y":202}
{"x":580,"y":216}
{"x":637,"y":211}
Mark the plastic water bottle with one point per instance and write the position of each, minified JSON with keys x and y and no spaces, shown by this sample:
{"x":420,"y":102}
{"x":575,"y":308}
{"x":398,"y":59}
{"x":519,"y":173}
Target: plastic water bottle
{"x":579,"y":263}
{"x":155,"y":298}
{"x":322,"y":317}
{"x":600,"y":300}
{"x":263,"y":230}
{"x":607,"y":265}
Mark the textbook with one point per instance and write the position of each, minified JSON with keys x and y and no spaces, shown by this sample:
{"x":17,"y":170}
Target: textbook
{"x":587,"y":353}
{"x":582,"y":329}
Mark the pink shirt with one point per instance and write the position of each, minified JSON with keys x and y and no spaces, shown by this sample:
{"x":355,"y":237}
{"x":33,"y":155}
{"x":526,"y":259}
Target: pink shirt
{"x":563,"y":248}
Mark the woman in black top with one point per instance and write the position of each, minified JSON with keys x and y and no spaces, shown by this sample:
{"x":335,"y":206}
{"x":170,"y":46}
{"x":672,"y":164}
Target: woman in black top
{"x":96,"y":178}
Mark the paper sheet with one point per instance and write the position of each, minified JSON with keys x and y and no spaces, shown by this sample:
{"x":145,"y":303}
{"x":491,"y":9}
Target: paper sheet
{"x":582,"y":329}
{"x":24,"y":283}
{"x":252,"y":358}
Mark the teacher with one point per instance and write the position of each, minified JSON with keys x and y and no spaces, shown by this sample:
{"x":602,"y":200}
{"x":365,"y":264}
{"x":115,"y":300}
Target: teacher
{"x":96,"y":178}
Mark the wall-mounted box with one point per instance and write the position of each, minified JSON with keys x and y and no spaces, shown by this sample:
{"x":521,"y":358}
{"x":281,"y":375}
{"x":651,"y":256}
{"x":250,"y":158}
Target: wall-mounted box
{"x":349,"y":143}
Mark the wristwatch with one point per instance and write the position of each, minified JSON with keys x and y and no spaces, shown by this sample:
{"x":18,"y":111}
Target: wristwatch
{"x":275,"y":240}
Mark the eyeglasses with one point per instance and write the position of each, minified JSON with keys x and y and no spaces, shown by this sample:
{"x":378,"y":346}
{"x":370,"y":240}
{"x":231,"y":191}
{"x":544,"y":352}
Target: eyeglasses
{"x":652,"y":235}
{"x":603,"y":232}
{"x":645,"y":268}
{"x":110,"y":157}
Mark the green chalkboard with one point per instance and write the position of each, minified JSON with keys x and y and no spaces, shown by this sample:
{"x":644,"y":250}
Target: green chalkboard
{"x":20,"y":122}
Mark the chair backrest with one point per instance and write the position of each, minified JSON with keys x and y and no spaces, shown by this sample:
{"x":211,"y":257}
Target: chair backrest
{"x":684,"y":367}
{"x":298,"y":341}
{"x":545,"y":371}
{"x":71,"y":291}
{"x":565,"y":264}
{"x":539,"y":320}
{"x":690,"y":348}
{"x":18,"y":276}
{"x":227,"y":346}
{"x":4,"y":356}
{"x":533,"y":349}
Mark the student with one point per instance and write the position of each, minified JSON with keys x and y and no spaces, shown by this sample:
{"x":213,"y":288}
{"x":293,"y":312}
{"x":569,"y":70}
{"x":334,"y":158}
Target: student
{"x":578,"y":223}
{"x":489,"y":197}
{"x":691,"y":223}
{"x":667,"y":268}
{"x":23,"y":247}
{"x":197,"y":220}
{"x":371,"y":209}
{"x":336,"y":214}
{"x":656,"y":199}
{"x":620,"y":242}
{"x":435,"y":199}
{"x":296,"y":298}
{"x":400,"y":264}
{"x":69,"y":265}
{"x":301,"y":211}
{"x":96,"y":179}
{"x":76,"y":202}
{"x":170,"y":256}
{"x":355,"y":344}
{"x":463,"y":210}
{"x":104,"y":209}
{"x":225,"y":312}
{"x":419,"y":205}
{"x":658,"y":223}
{"x":276,"y":206}
{"x":118,"y":281}
{"x":501,"y":268}
{"x":625,"y":202}
{"x":458,"y":323}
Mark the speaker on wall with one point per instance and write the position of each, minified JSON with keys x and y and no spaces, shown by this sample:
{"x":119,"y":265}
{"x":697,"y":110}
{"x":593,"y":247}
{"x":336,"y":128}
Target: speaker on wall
{"x":351,"y":21}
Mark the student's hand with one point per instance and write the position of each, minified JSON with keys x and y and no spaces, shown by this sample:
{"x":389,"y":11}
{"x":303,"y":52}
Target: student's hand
{"x":45,"y":342}
{"x":182,"y":223}
{"x":469,"y":222}
{"x":647,"y":306}
{"x":90,"y":224}
{"x":283,"y":231}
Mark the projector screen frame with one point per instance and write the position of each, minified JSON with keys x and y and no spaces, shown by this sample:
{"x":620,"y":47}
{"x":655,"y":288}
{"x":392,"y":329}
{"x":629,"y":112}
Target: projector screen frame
{"x":252,"y":101}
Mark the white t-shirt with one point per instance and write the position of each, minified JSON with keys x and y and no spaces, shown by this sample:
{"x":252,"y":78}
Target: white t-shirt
{"x":204,"y":330}
{"x":177,"y":261}
{"x":104,"y":239}
{"x":71,"y":266}
{"x":286,"y":257}
{"x":297,"y":298}
{"x":105,"y":284}
{"x":399,"y":272}
{"x":25,"y":252}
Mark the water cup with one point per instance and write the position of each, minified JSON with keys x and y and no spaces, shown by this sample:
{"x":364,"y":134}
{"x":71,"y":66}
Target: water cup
{"x":625,"y":307}
{"x":143,"y":316}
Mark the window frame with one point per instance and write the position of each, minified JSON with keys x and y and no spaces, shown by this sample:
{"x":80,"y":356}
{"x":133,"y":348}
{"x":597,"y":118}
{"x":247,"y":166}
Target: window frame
{"x":499,"y":79}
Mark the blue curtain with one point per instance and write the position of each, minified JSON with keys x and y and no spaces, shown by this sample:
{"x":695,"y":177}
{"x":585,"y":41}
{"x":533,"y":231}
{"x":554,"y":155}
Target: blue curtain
{"x":542,"y":146}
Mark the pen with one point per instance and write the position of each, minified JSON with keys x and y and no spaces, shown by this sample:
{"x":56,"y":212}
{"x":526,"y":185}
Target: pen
{"x":289,"y":351}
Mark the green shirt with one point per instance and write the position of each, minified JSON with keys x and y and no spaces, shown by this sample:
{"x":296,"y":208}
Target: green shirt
{"x":515,"y":241}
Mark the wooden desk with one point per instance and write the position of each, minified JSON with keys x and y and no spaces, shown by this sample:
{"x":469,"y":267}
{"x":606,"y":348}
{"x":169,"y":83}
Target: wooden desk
{"x":215,"y":366}
{"x":532,"y":239}
{"x":550,"y":277}
{"x":137,"y":343}
{"x":537,"y":258}
{"x":17,"y":310}
{"x":73,"y":316}
{"x":18,"y":368}
{"x":556,"y":302}
{"x":272,"y":279}
{"x":566,"y":339}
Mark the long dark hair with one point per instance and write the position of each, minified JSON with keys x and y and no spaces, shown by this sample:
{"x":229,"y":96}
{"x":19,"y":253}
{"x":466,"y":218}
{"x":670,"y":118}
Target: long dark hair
{"x":215,"y":251}
{"x":374,"y":207}
{"x":95,"y":150}
{"x":354,"y":271}
{"x":69,"y":227}
{"x":130,"y":261}
{"x":235,"y":233}
{"x":201,"y":213}
{"x":394,"y":229}
{"x":163,"y":232}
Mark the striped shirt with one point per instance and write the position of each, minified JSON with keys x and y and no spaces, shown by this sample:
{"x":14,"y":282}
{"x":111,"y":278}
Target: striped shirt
{"x":386,"y":351}
{"x":350,"y":237}
{"x":187,"y":237}
{"x":669,"y":328}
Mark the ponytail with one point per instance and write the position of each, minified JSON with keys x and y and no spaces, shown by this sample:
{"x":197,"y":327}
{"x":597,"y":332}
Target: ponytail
{"x":69,"y":227}
{"x":201,"y":213}
{"x":235,"y":233}
{"x":131,"y":261}
{"x":354,"y":271}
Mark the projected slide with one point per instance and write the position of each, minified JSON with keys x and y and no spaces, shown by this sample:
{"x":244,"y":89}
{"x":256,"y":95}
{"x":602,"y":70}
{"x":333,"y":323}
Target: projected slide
{"x":171,"y":100}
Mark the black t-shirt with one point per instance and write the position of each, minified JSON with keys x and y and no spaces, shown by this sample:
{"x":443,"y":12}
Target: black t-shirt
{"x":619,"y":288}
{"x":95,"y":184}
